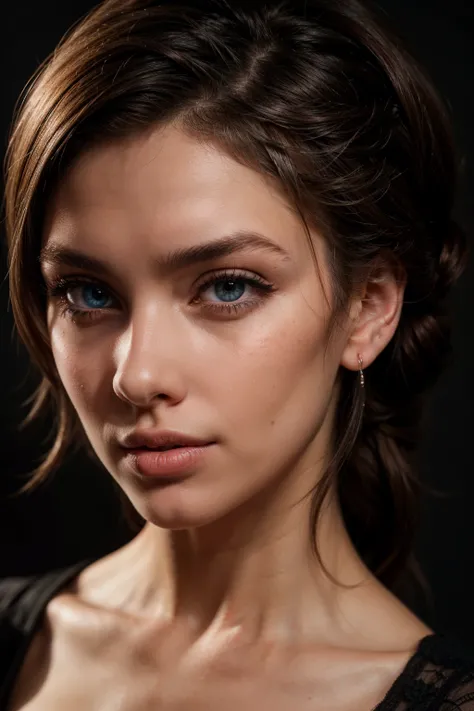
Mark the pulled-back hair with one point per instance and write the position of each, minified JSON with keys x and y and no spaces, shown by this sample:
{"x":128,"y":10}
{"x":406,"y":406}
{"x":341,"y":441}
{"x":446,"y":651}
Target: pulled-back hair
{"x":321,"y":97}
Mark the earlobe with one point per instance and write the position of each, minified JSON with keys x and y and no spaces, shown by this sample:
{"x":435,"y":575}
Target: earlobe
{"x":375,"y":317}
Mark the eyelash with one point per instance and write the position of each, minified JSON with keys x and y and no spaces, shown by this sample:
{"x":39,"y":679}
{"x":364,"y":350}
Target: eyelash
{"x":60,"y":287}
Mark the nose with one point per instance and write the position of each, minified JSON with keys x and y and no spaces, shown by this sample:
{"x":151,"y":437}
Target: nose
{"x":148,"y":361}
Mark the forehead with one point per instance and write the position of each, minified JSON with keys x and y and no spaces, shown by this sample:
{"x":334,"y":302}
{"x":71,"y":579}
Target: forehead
{"x":164,"y":189}
{"x":167,"y":170}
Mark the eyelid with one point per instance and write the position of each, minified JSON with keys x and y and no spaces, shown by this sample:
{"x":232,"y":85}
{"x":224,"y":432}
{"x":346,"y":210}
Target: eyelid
{"x":72,"y":280}
{"x":61,"y":285}
{"x":52,"y":282}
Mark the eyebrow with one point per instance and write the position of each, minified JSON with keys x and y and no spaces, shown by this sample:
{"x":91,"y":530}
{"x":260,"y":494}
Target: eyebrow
{"x":178,"y":259}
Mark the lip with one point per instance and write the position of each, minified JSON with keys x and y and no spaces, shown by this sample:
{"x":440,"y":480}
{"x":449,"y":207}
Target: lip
{"x":149,"y":439}
{"x":167,"y":464}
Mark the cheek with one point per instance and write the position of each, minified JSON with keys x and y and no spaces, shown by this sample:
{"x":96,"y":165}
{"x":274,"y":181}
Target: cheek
{"x":80,"y":372}
{"x":280,"y":377}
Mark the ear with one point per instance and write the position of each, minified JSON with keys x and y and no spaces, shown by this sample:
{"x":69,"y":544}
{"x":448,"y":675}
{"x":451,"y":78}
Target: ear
{"x":374,"y":313}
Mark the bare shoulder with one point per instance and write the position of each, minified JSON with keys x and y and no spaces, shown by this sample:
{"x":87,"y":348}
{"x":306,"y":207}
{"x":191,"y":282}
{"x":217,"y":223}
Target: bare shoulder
{"x":34,"y":669}
{"x":64,"y":615}
{"x":358,"y":672}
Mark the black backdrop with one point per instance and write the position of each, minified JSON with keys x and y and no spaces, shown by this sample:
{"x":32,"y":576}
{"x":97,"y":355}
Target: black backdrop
{"x":77,"y":514}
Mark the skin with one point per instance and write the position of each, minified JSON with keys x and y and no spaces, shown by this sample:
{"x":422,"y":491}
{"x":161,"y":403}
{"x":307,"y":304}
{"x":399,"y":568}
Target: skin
{"x":219,"y":601}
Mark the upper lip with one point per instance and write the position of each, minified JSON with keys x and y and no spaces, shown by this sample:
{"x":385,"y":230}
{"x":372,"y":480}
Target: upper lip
{"x":163,"y":438}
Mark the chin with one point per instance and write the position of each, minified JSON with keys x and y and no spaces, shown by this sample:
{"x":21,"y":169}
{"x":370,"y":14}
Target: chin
{"x":173,"y":508}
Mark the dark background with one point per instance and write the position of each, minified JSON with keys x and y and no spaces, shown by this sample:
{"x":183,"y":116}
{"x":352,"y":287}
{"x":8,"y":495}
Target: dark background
{"x":77,"y":514}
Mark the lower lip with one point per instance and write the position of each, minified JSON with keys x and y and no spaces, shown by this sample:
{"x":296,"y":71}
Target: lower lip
{"x":168,"y":463}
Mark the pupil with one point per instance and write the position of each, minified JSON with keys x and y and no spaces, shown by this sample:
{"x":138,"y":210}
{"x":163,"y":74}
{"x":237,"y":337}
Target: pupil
{"x":94,"y":294}
{"x":228,"y":292}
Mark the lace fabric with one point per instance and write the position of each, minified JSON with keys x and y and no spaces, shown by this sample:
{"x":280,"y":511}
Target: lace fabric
{"x":438,"y":677}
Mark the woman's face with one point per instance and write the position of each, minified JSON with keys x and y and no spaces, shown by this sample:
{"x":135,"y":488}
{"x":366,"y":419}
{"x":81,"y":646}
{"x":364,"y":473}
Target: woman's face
{"x":157,"y":347}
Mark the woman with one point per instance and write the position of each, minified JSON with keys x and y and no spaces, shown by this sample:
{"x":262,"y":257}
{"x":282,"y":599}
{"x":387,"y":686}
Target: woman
{"x":230,"y":236}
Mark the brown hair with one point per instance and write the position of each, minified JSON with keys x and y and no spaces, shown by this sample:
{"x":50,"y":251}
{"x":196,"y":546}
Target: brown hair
{"x":320,"y":96}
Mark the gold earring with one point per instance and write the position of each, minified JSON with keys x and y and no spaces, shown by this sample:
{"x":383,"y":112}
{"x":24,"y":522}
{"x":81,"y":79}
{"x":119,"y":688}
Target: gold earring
{"x":361,"y":377}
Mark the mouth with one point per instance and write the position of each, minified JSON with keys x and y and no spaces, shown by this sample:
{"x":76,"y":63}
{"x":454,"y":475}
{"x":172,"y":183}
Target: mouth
{"x":167,"y":461}
{"x":161,"y":441}
{"x":162,"y":449}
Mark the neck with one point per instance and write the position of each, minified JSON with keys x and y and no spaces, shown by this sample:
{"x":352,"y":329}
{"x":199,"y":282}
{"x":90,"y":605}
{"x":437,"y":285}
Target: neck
{"x":253,"y":574}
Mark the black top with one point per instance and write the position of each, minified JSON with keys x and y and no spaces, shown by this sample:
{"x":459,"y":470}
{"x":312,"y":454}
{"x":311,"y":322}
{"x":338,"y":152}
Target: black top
{"x":438,"y":677}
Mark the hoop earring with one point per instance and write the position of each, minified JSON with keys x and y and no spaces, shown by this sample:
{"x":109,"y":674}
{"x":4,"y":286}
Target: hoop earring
{"x":361,"y":378}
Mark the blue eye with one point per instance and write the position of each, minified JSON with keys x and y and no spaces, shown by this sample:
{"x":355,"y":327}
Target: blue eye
{"x":229,"y":294}
{"x":95,"y":294}
{"x":228,"y":285}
